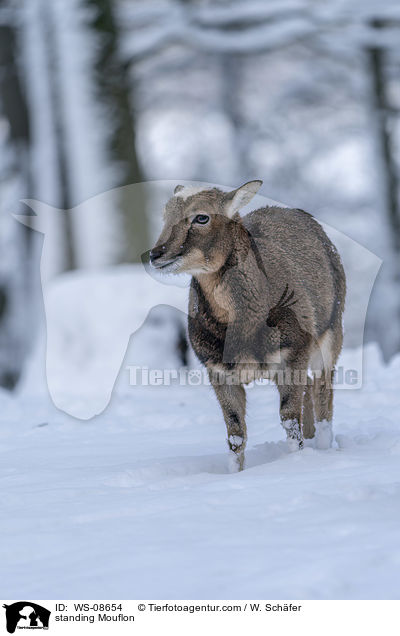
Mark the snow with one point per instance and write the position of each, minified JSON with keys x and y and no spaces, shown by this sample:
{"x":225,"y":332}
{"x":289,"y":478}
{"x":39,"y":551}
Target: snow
{"x":139,"y":502}
{"x":235,"y":440}
{"x":323,"y":435}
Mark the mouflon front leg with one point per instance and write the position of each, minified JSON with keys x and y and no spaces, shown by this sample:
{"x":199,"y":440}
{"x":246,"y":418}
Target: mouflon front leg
{"x":232,"y":399}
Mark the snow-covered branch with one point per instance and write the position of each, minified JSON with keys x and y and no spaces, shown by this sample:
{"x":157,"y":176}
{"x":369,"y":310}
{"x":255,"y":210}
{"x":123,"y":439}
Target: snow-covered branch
{"x":254,"y":27}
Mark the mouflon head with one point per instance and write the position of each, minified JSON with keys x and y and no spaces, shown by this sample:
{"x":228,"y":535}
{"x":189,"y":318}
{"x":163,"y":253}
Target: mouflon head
{"x":198,"y":232}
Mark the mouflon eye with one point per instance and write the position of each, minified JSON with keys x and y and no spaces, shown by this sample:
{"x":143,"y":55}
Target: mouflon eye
{"x":202,"y":219}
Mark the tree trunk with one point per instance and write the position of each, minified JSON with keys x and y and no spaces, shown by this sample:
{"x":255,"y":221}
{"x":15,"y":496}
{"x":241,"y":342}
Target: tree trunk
{"x":114,"y":90}
{"x":15,"y":241}
{"x":54,"y":76}
{"x":382,"y":116}
{"x":388,"y":170}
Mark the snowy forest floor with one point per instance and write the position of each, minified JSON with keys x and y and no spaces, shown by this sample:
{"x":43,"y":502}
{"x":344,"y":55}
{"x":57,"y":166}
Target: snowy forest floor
{"x":139,"y":502}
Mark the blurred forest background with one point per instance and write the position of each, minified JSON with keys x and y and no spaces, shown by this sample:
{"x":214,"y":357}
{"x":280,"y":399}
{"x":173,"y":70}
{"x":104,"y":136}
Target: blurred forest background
{"x":96,"y":94}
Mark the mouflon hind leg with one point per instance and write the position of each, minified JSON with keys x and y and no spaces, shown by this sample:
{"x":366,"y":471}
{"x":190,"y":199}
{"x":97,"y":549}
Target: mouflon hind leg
{"x":308,"y":411}
{"x":291,"y":412}
{"x":323,"y":402}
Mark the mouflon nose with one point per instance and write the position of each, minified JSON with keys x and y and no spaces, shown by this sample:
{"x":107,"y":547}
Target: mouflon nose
{"x":156,"y":252}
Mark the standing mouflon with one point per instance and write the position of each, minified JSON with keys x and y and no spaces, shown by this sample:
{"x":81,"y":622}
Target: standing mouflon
{"x":266,"y":300}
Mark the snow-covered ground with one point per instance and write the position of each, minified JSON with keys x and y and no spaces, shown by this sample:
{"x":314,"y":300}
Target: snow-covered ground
{"x":139,"y":501}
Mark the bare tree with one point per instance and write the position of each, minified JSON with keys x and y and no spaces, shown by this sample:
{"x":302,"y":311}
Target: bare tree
{"x":114,"y":88}
{"x":377,"y":57}
{"x":63,"y":167}
{"x":15,"y":242}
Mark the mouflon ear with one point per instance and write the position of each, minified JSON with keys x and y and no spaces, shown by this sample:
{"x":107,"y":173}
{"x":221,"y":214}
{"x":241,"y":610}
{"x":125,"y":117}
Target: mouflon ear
{"x":240,"y":197}
{"x":178,"y":188}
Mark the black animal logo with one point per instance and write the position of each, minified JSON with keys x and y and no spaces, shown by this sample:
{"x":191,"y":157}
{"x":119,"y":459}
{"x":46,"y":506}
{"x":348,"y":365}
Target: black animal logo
{"x":26,"y":614}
